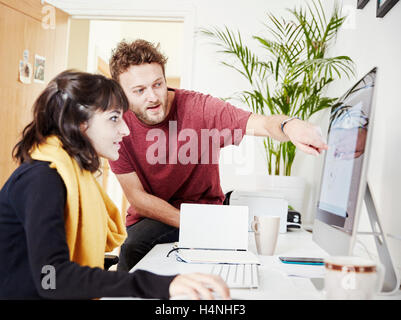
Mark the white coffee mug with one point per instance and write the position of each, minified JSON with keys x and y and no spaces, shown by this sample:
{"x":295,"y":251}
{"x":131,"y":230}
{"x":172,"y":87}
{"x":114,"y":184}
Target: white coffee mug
{"x":352,"y":278}
{"x":266,"y":229}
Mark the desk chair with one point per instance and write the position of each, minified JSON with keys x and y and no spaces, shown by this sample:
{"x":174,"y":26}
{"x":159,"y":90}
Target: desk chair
{"x":110,"y":260}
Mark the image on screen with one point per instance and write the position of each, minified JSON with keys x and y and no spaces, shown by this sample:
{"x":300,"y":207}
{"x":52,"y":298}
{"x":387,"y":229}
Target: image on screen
{"x":347,"y":133}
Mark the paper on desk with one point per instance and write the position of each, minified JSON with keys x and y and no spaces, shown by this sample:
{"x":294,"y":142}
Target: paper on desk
{"x":303,"y":271}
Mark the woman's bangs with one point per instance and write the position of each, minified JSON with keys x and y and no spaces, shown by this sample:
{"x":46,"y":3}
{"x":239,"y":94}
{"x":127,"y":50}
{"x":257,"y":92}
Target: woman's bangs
{"x":112,"y":97}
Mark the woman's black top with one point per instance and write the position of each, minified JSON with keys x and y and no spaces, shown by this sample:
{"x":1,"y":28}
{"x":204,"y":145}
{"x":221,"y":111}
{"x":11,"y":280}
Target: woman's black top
{"x":33,"y":246}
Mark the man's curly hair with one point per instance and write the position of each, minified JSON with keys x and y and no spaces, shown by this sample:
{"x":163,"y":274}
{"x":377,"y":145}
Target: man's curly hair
{"x":135,"y":53}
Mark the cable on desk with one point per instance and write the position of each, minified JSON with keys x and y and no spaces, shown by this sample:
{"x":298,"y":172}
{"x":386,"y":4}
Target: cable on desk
{"x":175,"y":249}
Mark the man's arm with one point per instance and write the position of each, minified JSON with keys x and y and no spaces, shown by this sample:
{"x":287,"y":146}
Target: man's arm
{"x":303,"y":135}
{"x":146,"y":204}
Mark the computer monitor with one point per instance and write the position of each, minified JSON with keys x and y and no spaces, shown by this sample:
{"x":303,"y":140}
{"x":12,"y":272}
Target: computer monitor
{"x":344,"y":186}
{"x":344,"y":170}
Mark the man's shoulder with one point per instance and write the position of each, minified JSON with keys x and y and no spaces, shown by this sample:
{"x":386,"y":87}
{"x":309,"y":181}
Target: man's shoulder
{"x":185,"y":97}
{"x":187,"y":93}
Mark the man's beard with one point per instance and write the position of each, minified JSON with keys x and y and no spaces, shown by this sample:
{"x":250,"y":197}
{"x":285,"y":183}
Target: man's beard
{"x":149,"y":119}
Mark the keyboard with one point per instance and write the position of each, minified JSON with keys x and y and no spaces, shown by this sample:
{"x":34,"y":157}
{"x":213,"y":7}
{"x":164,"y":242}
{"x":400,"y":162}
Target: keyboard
{"x":237,"y":275}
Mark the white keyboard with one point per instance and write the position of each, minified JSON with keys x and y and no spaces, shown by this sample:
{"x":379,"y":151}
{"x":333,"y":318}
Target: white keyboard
{"x":237,"y":275}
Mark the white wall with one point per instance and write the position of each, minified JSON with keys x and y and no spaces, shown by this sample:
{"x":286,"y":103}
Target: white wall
{"x":168,"y":34}
{"x":78,"y":44}
{"x":104,"y":36}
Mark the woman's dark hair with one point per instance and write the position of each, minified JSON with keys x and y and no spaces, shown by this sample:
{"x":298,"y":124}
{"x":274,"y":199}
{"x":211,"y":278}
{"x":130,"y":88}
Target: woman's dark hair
{"x":68,"y":101}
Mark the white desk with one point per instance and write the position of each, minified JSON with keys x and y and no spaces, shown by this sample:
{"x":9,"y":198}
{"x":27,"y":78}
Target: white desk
{"x":274,"y":279}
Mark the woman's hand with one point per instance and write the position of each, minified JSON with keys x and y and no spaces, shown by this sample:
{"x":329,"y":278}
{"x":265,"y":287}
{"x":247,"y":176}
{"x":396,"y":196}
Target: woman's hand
{"x":199,"y":286}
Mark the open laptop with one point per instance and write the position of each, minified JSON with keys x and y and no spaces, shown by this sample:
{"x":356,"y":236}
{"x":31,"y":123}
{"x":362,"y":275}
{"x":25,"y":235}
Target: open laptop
{"x":214,"y":234}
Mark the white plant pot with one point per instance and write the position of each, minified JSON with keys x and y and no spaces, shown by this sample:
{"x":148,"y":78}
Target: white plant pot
{"x":292,"y":187}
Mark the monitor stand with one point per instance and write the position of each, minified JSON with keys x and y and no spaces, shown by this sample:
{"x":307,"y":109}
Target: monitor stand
{"x":318,"y":283}
{"x":391,"y":281}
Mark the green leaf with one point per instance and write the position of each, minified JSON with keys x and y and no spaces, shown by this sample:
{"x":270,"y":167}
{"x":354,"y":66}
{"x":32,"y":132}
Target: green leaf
{"x":293,"y":74}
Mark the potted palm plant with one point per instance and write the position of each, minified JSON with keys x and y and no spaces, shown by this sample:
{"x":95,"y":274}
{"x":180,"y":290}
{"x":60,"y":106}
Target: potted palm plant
{"x":293,"y":76}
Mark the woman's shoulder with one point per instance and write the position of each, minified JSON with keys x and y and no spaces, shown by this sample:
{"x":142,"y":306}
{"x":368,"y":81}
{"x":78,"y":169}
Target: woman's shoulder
{"x":35,"y":167}
{"x":36,"y":173}
{"x":33,"y":180}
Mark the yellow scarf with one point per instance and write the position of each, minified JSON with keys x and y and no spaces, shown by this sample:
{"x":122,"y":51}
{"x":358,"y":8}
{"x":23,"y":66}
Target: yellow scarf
{"x":93,"y":223}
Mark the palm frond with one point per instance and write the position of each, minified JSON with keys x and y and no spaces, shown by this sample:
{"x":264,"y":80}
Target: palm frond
{"x":292,"y":77}
{"x":232,"y":45}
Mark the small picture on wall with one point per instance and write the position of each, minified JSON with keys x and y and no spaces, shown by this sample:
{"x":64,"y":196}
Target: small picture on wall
{"x":25,"y":68}
{"x":39,"y":76}
{"x":384,"y":6}
{"x":25,"y":72}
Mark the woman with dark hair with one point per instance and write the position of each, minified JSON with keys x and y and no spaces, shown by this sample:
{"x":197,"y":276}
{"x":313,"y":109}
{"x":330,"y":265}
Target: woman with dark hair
{"x":56,"y":223}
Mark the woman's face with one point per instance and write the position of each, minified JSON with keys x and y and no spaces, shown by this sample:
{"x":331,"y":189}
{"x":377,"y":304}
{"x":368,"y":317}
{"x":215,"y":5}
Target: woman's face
{"x":105,"y":131}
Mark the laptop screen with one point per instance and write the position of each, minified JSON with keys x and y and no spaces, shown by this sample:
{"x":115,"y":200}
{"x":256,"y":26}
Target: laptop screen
{"x":207,"y":226}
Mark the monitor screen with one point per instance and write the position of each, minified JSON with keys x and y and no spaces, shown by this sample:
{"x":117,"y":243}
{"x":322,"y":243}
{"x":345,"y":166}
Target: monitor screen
{"x":342,"y":170}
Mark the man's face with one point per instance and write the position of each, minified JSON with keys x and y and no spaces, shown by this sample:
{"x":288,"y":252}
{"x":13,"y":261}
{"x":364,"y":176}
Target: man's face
{"x":146,"y":90}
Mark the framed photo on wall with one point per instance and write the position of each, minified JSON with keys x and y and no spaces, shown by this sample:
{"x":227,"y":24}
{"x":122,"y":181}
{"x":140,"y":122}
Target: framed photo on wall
{"x":384,"y":6}
{"x":361,"y":4}
{"x":39,"y":73}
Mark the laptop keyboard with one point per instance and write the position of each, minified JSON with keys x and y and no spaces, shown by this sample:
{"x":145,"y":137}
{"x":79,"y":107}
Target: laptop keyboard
{"x":237,"y":275}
